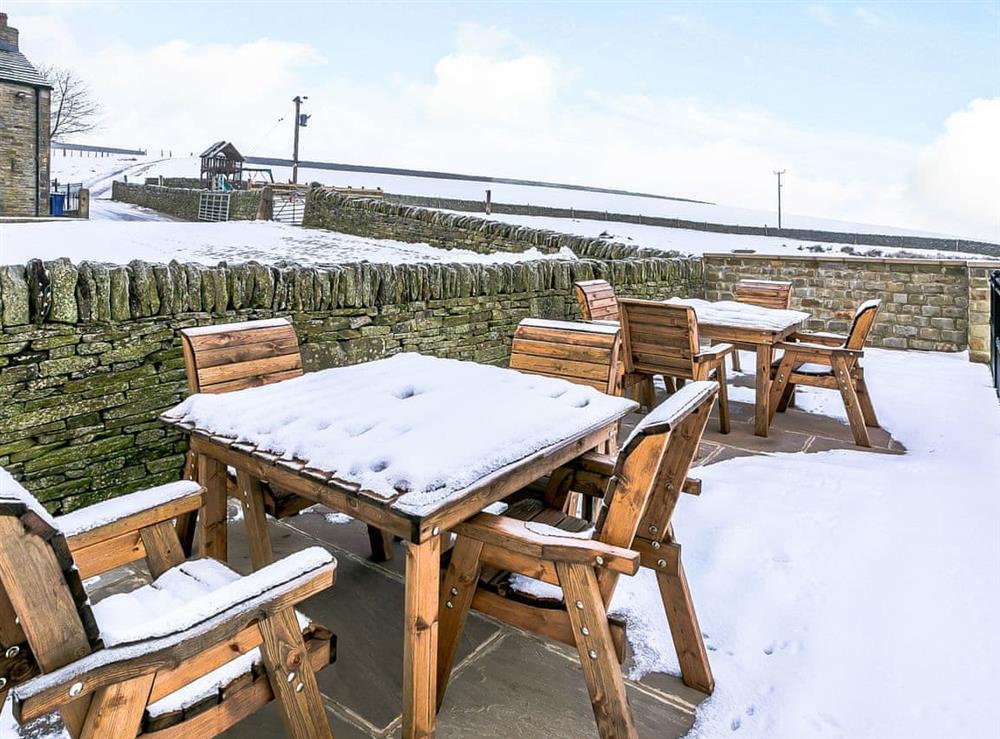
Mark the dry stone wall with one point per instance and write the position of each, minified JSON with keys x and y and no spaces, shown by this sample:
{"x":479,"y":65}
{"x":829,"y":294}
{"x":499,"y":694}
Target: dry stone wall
{"x":925,"y":303}
{"x":182,"y":202}
{"x":89,"y":353}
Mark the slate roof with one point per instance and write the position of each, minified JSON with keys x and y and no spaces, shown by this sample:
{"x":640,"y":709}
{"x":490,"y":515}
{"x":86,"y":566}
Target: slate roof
{"x":15,"y":67}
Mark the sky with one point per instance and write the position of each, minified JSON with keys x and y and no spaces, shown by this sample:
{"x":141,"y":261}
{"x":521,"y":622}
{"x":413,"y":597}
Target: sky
{"x":885,"y":113}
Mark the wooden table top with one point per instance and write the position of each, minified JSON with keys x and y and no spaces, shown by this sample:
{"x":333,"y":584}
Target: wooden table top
{"x":729,"y":320}
{"x":418,"y":442}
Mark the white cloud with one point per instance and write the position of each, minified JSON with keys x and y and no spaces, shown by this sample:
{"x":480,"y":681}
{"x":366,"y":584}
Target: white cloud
{"x":823,"y":15}
{"x":495,"y":107}
{"x":870,"y":17}
{"x":955,"y":185}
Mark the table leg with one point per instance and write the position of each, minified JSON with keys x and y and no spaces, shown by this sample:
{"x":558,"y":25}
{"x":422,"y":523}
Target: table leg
{"x":420,"y":635}
{"x":765,"y":352}
{"x":212,"y":532}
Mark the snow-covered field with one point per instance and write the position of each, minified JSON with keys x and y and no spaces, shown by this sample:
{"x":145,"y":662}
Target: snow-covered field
{"x":210,"y":243}
{"x":555,"y":197}
{"x":689,"y":241}
{"x":846,"y":593}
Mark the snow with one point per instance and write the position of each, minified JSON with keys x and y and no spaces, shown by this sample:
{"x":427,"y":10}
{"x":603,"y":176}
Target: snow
{"x":746,"y":315}
{"x":847,"y":593}
{"x":420,"y":426}
{"x":237,"y":241}
{"x":690,"y":241}
{"x":99,"y":514}
{"x":595,"y":327}
{"x":191,"y":593}
{"x":240,"y":326}
{"x":11,"y":489}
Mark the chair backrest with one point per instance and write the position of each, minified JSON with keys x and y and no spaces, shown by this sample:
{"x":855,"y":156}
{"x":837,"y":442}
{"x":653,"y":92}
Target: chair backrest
{"x":583,"y":353}
{"x":658,"y":338}
{"x":765,"y":293}
{"x":861,"y":325}
{"x":597,"y":300}
{"x":45,"y":616}
{"x":223,"y":358}
{"x":652,"y":467}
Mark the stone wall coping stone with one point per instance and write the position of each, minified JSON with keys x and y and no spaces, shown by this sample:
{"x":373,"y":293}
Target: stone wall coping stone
{"x":854,"y":259}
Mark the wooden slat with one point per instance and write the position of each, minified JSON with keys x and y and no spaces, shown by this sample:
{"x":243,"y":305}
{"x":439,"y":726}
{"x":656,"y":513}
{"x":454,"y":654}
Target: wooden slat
{"x":258,"y":537}
{"x":227,"y":339}
{"x":254,"y":368}
{"x":557,"y":348}
{"x":120,"y":526}
{"x":560,"y":367}
{"x":212,"y":525}
{"x":582,"y":338}
{"x":255,"y":381}
{"x":174,"y":678}
{"x":458,"y":586}
{"x":248,"y":352}
{"x":109,"y":554}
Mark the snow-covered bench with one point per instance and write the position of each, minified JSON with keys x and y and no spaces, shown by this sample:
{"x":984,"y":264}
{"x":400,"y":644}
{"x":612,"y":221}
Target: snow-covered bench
{"x":190,"y":654}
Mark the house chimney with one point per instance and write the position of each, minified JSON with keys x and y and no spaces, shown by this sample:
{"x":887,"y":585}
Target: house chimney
{"x":8,"y":35}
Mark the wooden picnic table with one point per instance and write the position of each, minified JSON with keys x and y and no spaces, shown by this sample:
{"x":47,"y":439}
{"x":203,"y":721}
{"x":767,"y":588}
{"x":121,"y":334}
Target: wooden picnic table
{"x":411,"y":444}
{"x":743,"y":323}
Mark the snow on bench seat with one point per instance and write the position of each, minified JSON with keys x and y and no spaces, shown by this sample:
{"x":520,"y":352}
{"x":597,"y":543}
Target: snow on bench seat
{"x":744,"y":315}
{"x":123,"y":616}
{"x":412,"y":427}
{"x":100,"y":514}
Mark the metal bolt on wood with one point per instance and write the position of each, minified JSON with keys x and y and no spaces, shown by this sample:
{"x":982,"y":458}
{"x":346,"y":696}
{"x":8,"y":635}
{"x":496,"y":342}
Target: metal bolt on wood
{"x":436,"y":530}
{"x":661,"y":563}
{"x":653,"y":529}
{"x":585,"y":631}
{"x":593,"y":653}
{"x":454,"y":591}
{"x":291,"y":677}
{"x":75,"y":690}
{"x":449,"y":604}
{"x":600,"y":560}
{"x":13,"y":652}
{"x":579,"y":604}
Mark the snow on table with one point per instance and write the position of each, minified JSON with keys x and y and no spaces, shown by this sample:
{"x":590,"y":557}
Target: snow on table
{"x":415,"y":428}
{"x":743,"y":315}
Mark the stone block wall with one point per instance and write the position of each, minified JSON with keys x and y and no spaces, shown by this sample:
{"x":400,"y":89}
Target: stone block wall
{"x":925,"y":303}
{"x":17,"y":150}
{"x":182,"y":202}
{"x":89,"y":354}
{"x":979,"y":309}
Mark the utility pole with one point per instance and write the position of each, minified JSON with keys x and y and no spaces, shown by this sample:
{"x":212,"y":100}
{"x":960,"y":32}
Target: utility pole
{"x":779,"y":194}
{"x":300,"y":120}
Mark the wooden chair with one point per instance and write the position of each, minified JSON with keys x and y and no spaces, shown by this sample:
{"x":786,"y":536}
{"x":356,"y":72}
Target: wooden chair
{"x":536,"y":540}
{"x":662,"y":339}
{"x":597,"y":300}
{"x":766,"y":294}
{"x":228,"y":357}
{"x":132,"y":664}
{"x":830,"y":361}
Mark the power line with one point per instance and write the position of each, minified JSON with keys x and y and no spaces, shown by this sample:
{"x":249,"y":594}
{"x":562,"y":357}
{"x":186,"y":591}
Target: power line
{"x":779,"y":194}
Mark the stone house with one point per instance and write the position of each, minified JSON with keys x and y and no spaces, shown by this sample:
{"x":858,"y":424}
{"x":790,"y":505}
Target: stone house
{"x":24,"y":131}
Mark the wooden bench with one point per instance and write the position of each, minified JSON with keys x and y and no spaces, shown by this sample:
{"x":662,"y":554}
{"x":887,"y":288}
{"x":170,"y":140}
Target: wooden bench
{"x":766,"y":294}
{"x":535,"y":539}
{"x":227,"y":357}
{"x":597,"y":300}
{"x":583,"y":353}
{"x":662,"y":339}
{"x":830,"y":361}
{"x":131,"y":664}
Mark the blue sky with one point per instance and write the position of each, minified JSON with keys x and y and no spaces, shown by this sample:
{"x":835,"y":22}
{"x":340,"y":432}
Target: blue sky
{"x":697,"y":99}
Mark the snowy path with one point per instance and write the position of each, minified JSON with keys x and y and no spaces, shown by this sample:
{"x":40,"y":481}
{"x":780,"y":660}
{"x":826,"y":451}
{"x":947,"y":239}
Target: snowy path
{"x":850,"y":594}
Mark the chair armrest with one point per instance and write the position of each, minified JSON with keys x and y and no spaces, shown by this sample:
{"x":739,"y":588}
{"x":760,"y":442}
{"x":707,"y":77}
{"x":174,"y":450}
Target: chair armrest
{"x":819,"y":337}
{"x":548,"y":543}
{"x":261,"y":594}
{"x":112,"y":518}
{"x":716,"y":351}
{"x":818,"y":350}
